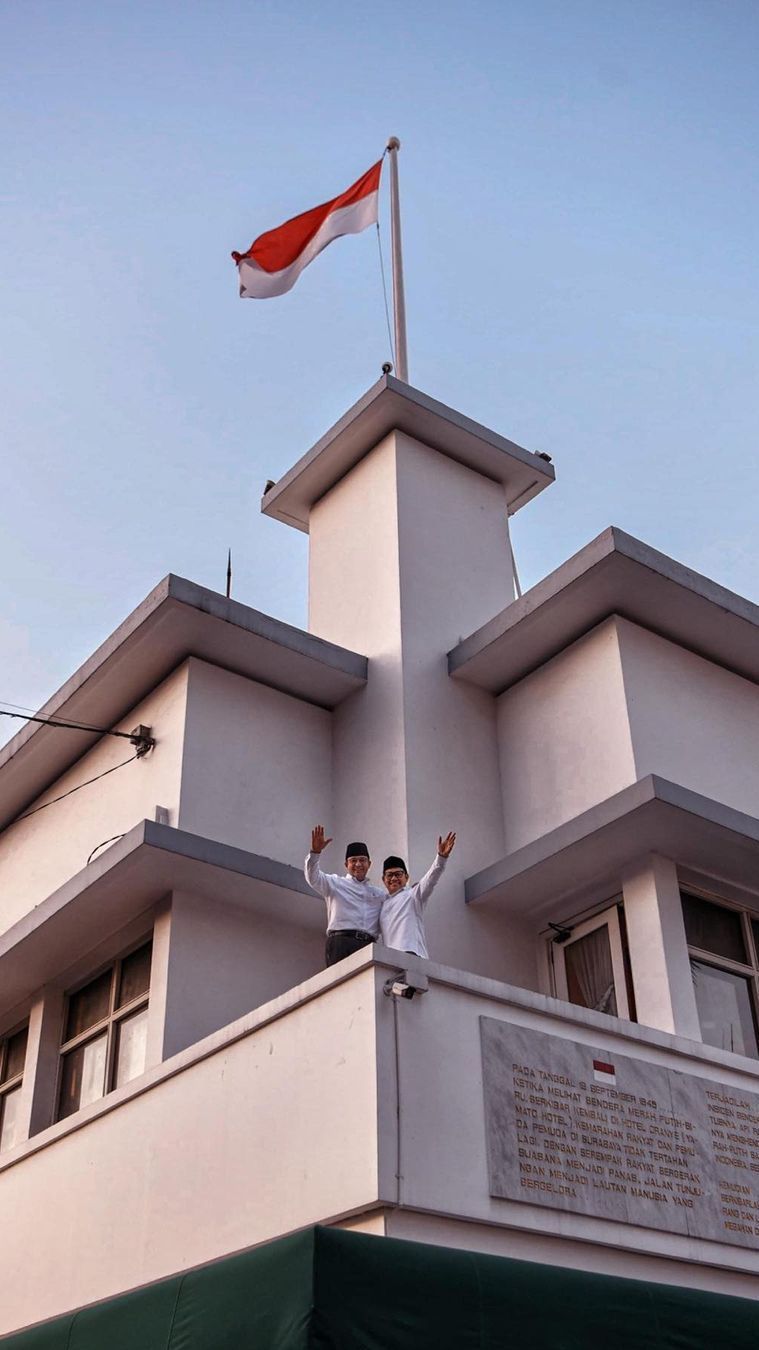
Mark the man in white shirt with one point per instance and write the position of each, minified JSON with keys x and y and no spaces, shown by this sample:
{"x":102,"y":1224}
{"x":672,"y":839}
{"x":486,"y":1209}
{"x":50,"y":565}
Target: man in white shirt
{"x":353,"y":903}
{"x":402,"y":914}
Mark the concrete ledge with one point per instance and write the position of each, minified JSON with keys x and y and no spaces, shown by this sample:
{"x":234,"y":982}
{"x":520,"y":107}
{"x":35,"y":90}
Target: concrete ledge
{"x":129,"y":878}
{"x":392,"y":405}
{"x":178,"y":619}
{"x":614,"y":574}
{"x":525,"y":1007}
{"x":585,"y":858}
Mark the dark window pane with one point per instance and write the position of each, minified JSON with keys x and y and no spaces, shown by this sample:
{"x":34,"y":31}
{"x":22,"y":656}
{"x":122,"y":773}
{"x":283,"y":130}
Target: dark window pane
{"x":131,"y":1048}
{"x":10,"y":1134}
{"x":89,"y":1005}
{"x":724,"y":1008}
{"x":15,"y":1054}
{"x":83,"y":1077}
{"x":135,"y":974}
{"x":590,"y":978}
{"x":755,"y":931}
{"x":713,"y":928}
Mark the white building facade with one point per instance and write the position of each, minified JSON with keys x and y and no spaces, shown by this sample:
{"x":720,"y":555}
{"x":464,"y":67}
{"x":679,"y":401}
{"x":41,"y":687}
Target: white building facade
{"x":576,"y":1081}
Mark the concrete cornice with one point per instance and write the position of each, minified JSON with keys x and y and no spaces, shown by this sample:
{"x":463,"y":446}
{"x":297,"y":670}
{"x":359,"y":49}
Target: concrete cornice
{"x":177,"y":620}
{"x":614,"y":574}
{"x":585,"y":859}
{"x":391,"y":405}
{"x":129,"y":878}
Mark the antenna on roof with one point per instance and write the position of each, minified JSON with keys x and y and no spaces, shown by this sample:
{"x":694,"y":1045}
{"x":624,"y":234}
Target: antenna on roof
{"x":229,"y":573}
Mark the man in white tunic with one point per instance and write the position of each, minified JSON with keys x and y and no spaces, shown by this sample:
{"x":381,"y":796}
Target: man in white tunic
{"x":353,"y":903}
{"x":402,"y":914}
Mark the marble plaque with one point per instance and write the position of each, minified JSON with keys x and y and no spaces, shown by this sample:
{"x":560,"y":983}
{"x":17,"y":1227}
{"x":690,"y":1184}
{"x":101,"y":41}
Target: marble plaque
{"x":594,"y":1132}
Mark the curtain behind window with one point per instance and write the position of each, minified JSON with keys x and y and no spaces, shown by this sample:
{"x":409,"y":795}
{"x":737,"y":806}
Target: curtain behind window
{"x":590,"y":976}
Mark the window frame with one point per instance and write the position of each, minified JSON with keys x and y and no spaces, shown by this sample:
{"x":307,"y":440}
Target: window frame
{"x":11,"y":1084}
{"x":750,"y":972}
{"x":611,"y":917}
{"x":110,"y":1023}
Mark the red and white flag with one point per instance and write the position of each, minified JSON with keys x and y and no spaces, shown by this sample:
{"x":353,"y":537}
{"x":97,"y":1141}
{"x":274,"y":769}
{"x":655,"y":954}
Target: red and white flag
{"x":603,"y":1072}
{"x":276,"y":259}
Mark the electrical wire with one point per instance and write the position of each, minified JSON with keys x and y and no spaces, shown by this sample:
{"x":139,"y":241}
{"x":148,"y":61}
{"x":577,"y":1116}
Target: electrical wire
{"x":87,"y":782}
{"x":112,"y":840}
{"x":22,"y":708}
{"x":68,"y":726}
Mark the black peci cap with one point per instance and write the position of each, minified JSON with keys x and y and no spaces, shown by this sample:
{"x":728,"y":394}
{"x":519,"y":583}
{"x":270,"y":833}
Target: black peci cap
{"x":392,"y":861}
{"x":356,"y":850}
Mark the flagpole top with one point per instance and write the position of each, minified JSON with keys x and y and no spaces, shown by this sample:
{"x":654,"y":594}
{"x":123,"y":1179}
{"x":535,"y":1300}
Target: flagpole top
{"x":393,"y":143}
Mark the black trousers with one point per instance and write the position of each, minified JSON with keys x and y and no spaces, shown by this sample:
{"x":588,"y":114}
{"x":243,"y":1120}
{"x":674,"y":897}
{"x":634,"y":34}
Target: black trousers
{"x":339,"y":945}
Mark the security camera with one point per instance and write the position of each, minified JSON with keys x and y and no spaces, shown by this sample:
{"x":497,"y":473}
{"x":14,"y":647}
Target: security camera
{"x":400,"y":990}
{"x":406,"y":984}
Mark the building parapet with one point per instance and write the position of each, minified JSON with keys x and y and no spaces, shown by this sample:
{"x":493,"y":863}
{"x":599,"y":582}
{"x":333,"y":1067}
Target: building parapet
{"x":589,"y":855}
{"x":368,"y":1103}
{"x":178,"y":619}
{"x":392,"y":405}
{"x":614,"y":574}
{"x":129,"y":878}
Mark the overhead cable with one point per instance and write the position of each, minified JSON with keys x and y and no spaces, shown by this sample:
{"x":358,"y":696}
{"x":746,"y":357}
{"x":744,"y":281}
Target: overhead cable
{"x":140,"y":737}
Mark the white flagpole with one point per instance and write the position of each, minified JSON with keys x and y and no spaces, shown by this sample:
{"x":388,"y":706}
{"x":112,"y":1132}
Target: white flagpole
{"x":399,"y":299}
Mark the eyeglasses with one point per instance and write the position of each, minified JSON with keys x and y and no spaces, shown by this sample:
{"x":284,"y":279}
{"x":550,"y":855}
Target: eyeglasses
{"x":394,"y":876}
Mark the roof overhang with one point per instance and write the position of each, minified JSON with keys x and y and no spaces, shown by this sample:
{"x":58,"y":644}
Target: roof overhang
{"x":587,"y":857}
{"x":177,"y":620}
{"x":132,"y":876}
{"x":614,"y":574}
{"x":391,"y":405}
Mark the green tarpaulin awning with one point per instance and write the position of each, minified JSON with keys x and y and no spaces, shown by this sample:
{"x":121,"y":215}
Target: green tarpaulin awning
{"x":330,"y":1289}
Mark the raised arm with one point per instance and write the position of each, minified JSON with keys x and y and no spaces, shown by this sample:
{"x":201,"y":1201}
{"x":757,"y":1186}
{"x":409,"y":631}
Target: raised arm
{"x":424,"y":888}
{"x":445,"y":846}
{"x":317,"y":880}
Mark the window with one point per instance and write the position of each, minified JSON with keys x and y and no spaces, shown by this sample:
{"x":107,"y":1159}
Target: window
{"x":723,"y":944}
{"x":105,"y":1032}
{"x":590,"y":965}
{"x":12,"y":1057}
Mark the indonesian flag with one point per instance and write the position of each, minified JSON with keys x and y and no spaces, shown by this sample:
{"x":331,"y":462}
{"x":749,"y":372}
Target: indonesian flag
{"x":276,"y":259}
{"x":603,"y":1072}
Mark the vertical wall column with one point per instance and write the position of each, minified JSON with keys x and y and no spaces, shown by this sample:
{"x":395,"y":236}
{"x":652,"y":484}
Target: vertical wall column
{"x":661,"y":972}
{"x":409,"y":552}
{"x":42,"y":1053}
{"x":354,"y":600}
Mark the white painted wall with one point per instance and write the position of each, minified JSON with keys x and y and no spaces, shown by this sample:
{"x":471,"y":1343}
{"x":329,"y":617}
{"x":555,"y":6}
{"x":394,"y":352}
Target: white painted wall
{"x":354,"y":600}
{"x":441,"y":1140}
{"x":691,"y":721}
{"x":564,"y":738}
{"x":257,"y":767}
{"x":266,"y":1133}
{"x":290,"y":1117}
{"x":659,"y":962}
{"x":408,"y":553}
{"x":456,"y":573}
{"x":221,"y":962}
{"x":39,"y":854}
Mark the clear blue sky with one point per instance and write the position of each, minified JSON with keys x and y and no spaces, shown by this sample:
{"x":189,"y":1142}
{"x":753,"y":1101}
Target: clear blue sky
{"x":579,"y":185}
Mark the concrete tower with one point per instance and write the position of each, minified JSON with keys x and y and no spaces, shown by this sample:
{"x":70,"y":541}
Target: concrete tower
{"x":407,"y":507}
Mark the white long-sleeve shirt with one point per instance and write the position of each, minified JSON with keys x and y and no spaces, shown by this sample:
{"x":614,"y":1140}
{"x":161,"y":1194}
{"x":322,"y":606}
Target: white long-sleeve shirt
{"x":350,"y":904}
{"x":402,"y":914}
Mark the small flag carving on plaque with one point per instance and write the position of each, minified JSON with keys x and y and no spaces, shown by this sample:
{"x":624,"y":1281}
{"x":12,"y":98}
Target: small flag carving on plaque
{"x":603,"y":1072}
